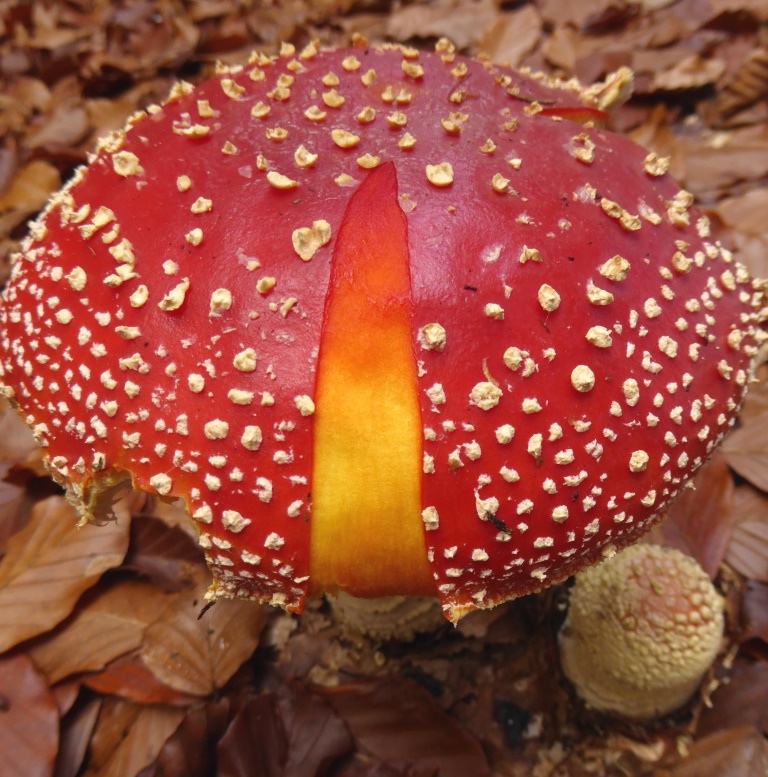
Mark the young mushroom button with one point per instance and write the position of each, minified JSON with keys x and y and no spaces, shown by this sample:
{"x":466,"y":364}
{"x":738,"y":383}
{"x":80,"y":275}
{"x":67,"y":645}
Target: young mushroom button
{"x":382,"y":334}
{"x":642,"y":630}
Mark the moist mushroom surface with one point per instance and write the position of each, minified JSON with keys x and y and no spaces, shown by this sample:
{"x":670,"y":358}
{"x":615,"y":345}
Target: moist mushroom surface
{"x":387,"y":321}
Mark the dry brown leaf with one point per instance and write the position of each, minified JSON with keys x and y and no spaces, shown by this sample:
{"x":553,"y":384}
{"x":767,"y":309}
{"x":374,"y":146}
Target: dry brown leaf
{"x":463,"y":21}
{"x":29,"y":720}
{"x":199,"y":655}
{"x":740,"y":701}
{"x":49,"y":564}
{"x":16,"y":440}
{"x":128,"y":737}
{"x":561,"y":48}
{"x":693,"y":72}
{"x":578,"y":14}
{"x":748,"y":551}
{"x":746,"y":451}
{"x":735,"y":752}
{"x":27,"y":194}
{"x":191,"y":750}
{"x":167,"y":556}
{"x":13,"y":511}
{"x":512,"y":36}
{"x":747,"y":212}
{"x":109,"y":625}
{"x":754,"y":611}
{"x":76,"y":729}
{"x":700,"y":522}
{"x":130,"y":679}
{"x":255,"y":736}
{"x":723,"y":159}
{"x":397,"y":721}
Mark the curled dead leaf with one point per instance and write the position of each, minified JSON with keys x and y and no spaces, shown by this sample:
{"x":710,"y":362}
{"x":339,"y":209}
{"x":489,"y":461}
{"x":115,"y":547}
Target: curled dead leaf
{"x":198,"y":654}
{"x":49,"y":564}
{"x":128,"y":737}
{"x":108,"y":625}
{"x":29,"y":720}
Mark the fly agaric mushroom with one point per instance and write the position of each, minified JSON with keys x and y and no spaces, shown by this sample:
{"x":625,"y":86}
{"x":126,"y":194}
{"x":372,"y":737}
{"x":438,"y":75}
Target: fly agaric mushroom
{"x":389,"y":322}
{"x":642,"y":630}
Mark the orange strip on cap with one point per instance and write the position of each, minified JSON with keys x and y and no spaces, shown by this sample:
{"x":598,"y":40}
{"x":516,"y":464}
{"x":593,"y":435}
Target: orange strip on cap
{"x":367,"y":536}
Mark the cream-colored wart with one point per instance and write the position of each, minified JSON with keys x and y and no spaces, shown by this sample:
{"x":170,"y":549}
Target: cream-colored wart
{"x":388,"y":617}
{"x":642,"y":630}
{"x":308,"y":240}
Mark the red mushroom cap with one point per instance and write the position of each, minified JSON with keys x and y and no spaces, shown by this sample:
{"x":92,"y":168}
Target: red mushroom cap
{"x":374,"y":268}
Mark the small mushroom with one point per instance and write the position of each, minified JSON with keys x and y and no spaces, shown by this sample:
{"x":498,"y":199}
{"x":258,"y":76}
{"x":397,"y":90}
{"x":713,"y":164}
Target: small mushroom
{"x":642,"y":630}
{"x":407,"y":329}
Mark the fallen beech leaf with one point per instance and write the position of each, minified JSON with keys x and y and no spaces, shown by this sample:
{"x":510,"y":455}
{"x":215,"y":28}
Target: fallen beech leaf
{"x":29,"y":720}
{"x":700,"y":522}
{"x":76,"y":729}
{"x":512,"y":36}
{"x":16,"y":440}
{"x":754,"y":611}
{"x":398,"y":722}
{"x":299,"y":735}
{"x":167,"y":556}
{"x":748,"y":551}
{"x":724,"y":160}
{"x":746,"y":212}
{"x":109,"y":625}
{"x":128,"y":737}
{"x":741,"y":701}
{"x":255,"y":742}
{"x":462,"y":22}
{"x":49,"y":564}
{"x":198,"y":655}
{"x":13,"y":509}
{"x":64,"y":694}
{"x":30,"y":189}
{"x":693,"y":72}
{"x":191,"y":750}
{"x":746,"y":450}
{"x":317,"y":736}
{"x":129,"y":678}
{"x":738,"y":752}
{"x":562,"y":12}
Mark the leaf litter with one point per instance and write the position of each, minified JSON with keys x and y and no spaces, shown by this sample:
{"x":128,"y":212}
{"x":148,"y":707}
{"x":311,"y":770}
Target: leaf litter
{"x":106,"y":668}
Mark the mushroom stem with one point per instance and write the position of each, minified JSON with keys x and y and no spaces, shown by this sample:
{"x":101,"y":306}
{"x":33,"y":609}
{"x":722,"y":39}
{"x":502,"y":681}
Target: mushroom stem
{"x":642,"y":630}
{"x":387,"y":617}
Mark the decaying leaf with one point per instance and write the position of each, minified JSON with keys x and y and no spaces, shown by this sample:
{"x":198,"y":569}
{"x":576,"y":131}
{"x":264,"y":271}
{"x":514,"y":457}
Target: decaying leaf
{"x":740,"y":701}
{"x":49,"y":564}
{"x":746,"y":450}
{"x":196,"y":653}
{"x":754,"y":611}
{"x":128,"y":737}
{"x":512,"y":36}
{"x":107,"y":626}
{"x":76,"y":729}
{"x":700,"y":521}
{"x":399,"y":723}
{"x":741,"y":752}
{"x":29,"y":720}
{"x":129,"y":678}
{"x":748,"y":551}
{"x":166,"y":555}
{"x":463,"y":21}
